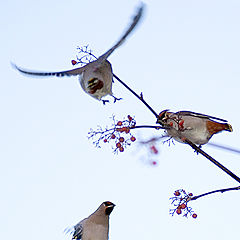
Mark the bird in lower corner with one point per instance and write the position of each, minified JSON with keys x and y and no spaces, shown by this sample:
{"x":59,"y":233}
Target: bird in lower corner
{"x":96,"y":226}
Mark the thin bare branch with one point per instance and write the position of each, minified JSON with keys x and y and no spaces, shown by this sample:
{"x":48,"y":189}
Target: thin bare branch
{"x":215,"y":191}
{"x":199,"y":150}
{"x":149,"y":126}
{"x":136,"y":95}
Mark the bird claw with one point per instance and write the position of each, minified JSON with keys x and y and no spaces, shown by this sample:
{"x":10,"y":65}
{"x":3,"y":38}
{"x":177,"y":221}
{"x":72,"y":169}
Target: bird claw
{"x":105,"y":101}
{"x":196,"y":151}
{"x":116,"y":99}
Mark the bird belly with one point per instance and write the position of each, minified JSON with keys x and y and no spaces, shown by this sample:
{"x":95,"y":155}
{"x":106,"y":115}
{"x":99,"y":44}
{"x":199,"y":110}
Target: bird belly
{"x":97,"y":83}
{"x":190,"y":128}
{"x":95,"y":232}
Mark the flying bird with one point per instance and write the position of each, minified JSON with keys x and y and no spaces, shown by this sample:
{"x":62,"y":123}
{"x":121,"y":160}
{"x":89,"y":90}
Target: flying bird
{"x":95,"y":77}
{"x":195,"y":127}
{"x":96,"y":226}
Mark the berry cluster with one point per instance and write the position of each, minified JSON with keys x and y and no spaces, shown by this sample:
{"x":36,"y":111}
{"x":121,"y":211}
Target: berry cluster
{"x":119,"y":134}
{"x":180,"y":201}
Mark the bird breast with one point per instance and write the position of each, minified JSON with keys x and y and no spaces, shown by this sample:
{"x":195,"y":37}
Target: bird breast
{"x":188,"y":127}
{"x":95,"y":232}
{"x":97,"y":79}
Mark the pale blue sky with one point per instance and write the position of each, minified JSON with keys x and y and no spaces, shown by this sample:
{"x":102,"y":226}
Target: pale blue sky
{"x":183,"y":56}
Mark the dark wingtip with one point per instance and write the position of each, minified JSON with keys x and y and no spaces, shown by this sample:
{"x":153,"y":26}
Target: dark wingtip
{"x":14,"y":65}
{"x":140,"y":12}
{"x":142,"y":7}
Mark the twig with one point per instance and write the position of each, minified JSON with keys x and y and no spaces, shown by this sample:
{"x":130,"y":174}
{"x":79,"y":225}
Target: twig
{"x":136,"y":95}
{"x":215,"y":191}
{"x":199,"y":150}
{"x":149,"y":126}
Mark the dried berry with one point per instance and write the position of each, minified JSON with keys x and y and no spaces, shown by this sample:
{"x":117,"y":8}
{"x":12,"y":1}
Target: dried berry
{"x":119,"y":123}
{"x":133,"y":139}
{"x":178,"y":211}
{"x":194,"y":215}
{"x":74,"y":62}
{"x":118,"y":145}
{"x":177,"y":193}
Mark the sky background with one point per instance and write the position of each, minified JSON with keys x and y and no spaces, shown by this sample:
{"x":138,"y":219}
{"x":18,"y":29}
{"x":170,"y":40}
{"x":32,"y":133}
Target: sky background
{"x":184,"y":55}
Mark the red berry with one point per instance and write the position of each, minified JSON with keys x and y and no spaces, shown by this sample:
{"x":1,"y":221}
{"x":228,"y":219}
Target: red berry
{"x":127,"y":130}
{"x":171,"y":124}
{"x":119,"y":123}
{"x":154,"y":163}
{"x":183,"y":206}
{"x":124,"y":129}
{"x":194,"y":215}
{"x":119,"y":129}
{"x":190,"y":194}
{"x":154,"y":149}
{"x":121,"y":139}
{"x":181,"y":123}
{"x":113,"y":136}
{"x":74,"y":62}
{"x":133,"y":139}
{"x":129,"y":118}
{"x":179,"y":211}
{"x":105,"y":140}
{"x":177,"y":193}
{"x":118,"y":145}
{"x":121,"y":149}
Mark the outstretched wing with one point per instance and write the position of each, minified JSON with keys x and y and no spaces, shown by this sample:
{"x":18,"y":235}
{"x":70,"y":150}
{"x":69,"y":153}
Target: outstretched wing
{"x":72,"y":72}
{"x":194,"y":114}
{"x":102,"y":58}
{"x":135,"y":21}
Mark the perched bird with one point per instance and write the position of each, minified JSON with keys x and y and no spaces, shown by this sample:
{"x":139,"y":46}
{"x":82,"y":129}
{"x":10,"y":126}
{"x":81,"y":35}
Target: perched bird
{"x":95,"y":77}
{"x":96,"y":226}
{"x":195,"y":127}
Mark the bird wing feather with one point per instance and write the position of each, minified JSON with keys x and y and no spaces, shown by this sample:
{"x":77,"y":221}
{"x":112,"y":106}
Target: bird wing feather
{"x":194,"y":114}
{"x":72,"y":72}
{"x":135,"y":21}
{"x":78,"y":231}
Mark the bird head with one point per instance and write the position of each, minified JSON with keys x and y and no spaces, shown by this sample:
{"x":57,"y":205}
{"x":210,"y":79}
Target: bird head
{"x":162,"y":117}
{"x":108,"y":207}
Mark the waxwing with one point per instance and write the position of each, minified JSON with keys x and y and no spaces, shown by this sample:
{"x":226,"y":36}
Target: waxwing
{"x":95,"y":77}
{"x":195,"y":127}
{"x":96,"y":226}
